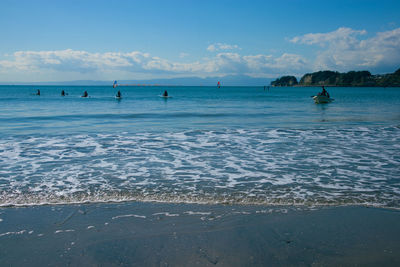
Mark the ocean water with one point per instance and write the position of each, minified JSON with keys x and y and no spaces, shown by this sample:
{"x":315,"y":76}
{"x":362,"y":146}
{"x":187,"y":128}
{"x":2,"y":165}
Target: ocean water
{"x":240,"y":145}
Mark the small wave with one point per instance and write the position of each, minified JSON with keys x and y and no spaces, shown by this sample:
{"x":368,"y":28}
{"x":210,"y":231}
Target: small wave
{"x":342,"y":166}
{"x":129,"y":215}
{"x":13,"y":233}
{"x":64,"y":231}
{"x":80,"y":117}
{"x":320,"y":201}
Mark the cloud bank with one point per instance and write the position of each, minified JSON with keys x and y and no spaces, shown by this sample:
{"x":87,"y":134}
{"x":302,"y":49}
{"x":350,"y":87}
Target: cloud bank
{"x":343,"y":49}
{"x":135,"y":63}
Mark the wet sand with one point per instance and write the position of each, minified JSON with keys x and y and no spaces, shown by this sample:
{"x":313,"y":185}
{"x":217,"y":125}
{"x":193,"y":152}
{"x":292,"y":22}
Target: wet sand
{"x":156,"y":234}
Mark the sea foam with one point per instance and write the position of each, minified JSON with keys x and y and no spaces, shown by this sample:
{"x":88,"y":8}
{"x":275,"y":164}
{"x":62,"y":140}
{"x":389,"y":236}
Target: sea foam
{"x":336,"y":166}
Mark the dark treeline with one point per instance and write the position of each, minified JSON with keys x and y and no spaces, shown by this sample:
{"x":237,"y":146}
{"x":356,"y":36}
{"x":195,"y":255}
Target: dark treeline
{"x":285,"y":81}
{"x":334,"y":78}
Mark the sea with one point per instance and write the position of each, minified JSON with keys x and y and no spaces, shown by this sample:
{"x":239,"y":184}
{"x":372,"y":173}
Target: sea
{"x":205,"y":145}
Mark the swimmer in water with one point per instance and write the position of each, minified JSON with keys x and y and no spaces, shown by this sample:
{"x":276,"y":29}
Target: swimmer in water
{"x":324,"y":92}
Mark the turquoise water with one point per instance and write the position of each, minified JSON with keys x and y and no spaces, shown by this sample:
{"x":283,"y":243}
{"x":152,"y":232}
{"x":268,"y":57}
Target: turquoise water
{"x":202,"y":145}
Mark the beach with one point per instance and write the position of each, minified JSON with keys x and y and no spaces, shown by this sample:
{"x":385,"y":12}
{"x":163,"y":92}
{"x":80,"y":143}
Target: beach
{"x":235,"y":176}
{"x":159,"y":234}
{"x":199,"y":133}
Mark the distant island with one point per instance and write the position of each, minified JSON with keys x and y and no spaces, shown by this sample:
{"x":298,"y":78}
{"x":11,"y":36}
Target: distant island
{"x":334,"y":78}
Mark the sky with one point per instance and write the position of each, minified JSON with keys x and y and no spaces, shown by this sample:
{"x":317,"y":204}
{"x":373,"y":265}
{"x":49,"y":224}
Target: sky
{"x":56,"y":40}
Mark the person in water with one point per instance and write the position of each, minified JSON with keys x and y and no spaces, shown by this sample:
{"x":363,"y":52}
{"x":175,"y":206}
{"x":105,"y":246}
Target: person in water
{"x":118,"y":94}
{"x":85,"y":94}
{"x":62,"y":93}
{"x":324,"y":92}
{"x":165,"y":94}
{"x":38,"y":92}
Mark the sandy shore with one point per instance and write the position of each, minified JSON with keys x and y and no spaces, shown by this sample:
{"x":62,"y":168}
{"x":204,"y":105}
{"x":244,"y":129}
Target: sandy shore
{"x":156,"y":234}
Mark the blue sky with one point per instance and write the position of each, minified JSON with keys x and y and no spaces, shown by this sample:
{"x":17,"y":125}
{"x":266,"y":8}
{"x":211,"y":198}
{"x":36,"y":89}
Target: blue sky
{"x":106,"y":40}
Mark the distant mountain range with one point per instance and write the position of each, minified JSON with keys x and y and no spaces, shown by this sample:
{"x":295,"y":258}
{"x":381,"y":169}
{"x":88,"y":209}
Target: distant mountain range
{"x":232,"y":80}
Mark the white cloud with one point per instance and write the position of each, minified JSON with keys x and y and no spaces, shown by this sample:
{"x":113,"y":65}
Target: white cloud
{"x":286,"y":62}
{"x":344,"y":49}
{"x":72,"y":60}
{"x":220,"y":46}
{"x":86,"y":65}
{"x":342,"y":35}
{"x":256,"y":65}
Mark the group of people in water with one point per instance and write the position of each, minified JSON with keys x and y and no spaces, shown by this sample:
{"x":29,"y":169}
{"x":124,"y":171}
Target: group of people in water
{"x":85,"y":94}
{"x":165,"y":94}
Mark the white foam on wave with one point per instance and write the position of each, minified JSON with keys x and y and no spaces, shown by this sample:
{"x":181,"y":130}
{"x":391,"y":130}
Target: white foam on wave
{"x":64,"y":231}
{"x":166,"y":214}
{"x":197,"y":212}
{"x":10,"y":151}
{"x":13,"y":233}
{"x":352,"y":165}
{"x":128,"y":215}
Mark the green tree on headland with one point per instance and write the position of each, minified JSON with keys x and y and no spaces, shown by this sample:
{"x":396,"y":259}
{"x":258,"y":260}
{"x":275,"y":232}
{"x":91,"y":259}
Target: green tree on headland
{"x":386,"y":80}
{"x":334,"y":78}
{"x":285,"y":81}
